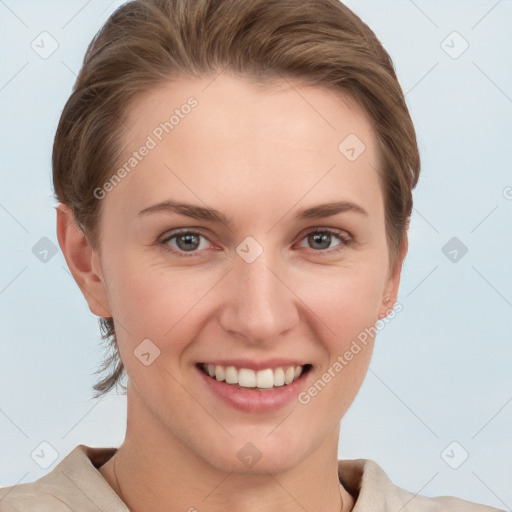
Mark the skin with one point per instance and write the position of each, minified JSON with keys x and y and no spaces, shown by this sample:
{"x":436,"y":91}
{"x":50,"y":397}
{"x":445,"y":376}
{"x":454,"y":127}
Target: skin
{"x":257,"y":154}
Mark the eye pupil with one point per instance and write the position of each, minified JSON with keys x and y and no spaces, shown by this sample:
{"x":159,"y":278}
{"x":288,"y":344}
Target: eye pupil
{"x":191,"y":242}
{"x":321,"y":237}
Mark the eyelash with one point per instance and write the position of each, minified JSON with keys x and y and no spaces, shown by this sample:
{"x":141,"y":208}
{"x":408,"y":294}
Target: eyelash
{"x":345,"y":241}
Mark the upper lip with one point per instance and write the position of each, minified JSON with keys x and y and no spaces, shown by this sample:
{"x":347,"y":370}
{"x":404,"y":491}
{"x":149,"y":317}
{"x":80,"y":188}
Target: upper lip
{"x":252,"y":364}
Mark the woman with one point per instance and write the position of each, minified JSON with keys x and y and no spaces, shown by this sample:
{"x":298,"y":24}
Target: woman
{"x":234,"y":183}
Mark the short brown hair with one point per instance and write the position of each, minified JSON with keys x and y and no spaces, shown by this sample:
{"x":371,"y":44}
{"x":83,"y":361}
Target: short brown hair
{"x":148,"y":42}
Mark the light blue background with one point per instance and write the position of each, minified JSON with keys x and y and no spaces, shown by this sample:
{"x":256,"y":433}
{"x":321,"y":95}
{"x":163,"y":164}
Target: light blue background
{"x":441,"y":371}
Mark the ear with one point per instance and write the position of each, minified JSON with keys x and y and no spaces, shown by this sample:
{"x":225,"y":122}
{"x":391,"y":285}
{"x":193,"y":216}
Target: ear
{"x":391,"y":290}
{"x":83,"y":261}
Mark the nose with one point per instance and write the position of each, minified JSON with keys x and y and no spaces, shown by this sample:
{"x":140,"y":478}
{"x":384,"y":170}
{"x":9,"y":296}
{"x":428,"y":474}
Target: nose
{"x":259,"y":303}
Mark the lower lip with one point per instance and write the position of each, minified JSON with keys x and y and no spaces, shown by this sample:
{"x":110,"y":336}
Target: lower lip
{"x":252,"y":399}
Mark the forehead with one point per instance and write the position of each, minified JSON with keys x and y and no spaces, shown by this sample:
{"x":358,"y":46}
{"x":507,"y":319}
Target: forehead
{"x":227,"y":135}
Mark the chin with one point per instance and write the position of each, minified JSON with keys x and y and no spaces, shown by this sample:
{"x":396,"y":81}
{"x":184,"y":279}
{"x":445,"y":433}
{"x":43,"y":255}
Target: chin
{"x":255,"y":452}
{"x":254,"y":462}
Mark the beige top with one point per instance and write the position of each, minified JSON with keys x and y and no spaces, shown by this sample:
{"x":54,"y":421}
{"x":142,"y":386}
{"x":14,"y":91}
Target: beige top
{"x":75,"y":484}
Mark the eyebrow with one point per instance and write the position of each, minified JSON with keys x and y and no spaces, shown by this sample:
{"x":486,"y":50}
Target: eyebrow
{"x":213,"y":215}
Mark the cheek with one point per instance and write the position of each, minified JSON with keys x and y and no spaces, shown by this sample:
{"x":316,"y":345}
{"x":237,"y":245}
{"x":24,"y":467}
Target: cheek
{"x":346,"y":299}
{"x":160,"y":305}
{"x":156,"y":301}
{"x":346,"y":303}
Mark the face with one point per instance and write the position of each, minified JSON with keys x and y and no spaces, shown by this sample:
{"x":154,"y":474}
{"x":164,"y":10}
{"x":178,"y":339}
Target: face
{"x":253,"y":277}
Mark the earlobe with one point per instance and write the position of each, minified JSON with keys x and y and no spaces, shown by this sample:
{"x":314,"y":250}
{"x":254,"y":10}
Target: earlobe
{"x":391,"y":292}
{"x":82,"y":260}
{"x":386,"y":307}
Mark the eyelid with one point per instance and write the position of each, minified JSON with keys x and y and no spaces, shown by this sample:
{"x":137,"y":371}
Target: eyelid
{"x":178,"y":231}
{"x":341,"y":233}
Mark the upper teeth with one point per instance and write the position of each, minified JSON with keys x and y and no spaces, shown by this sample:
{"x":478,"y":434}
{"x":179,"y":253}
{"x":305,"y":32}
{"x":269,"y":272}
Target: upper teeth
{"x":248,"y":378}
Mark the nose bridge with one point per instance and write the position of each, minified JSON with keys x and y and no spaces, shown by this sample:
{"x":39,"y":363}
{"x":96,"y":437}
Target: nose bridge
{"x":259,"y":305}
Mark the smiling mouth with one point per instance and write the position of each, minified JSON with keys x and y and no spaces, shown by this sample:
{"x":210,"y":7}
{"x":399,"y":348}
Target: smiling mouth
{"x":245,"y":378}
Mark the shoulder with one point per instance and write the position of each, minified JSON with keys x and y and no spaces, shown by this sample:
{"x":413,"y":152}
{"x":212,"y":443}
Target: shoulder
{"x":375,"y":492}
{"x":74,"y":484}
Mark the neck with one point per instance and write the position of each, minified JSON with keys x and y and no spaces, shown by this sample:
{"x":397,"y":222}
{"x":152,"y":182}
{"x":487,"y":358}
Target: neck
{"x":152,"y":463}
